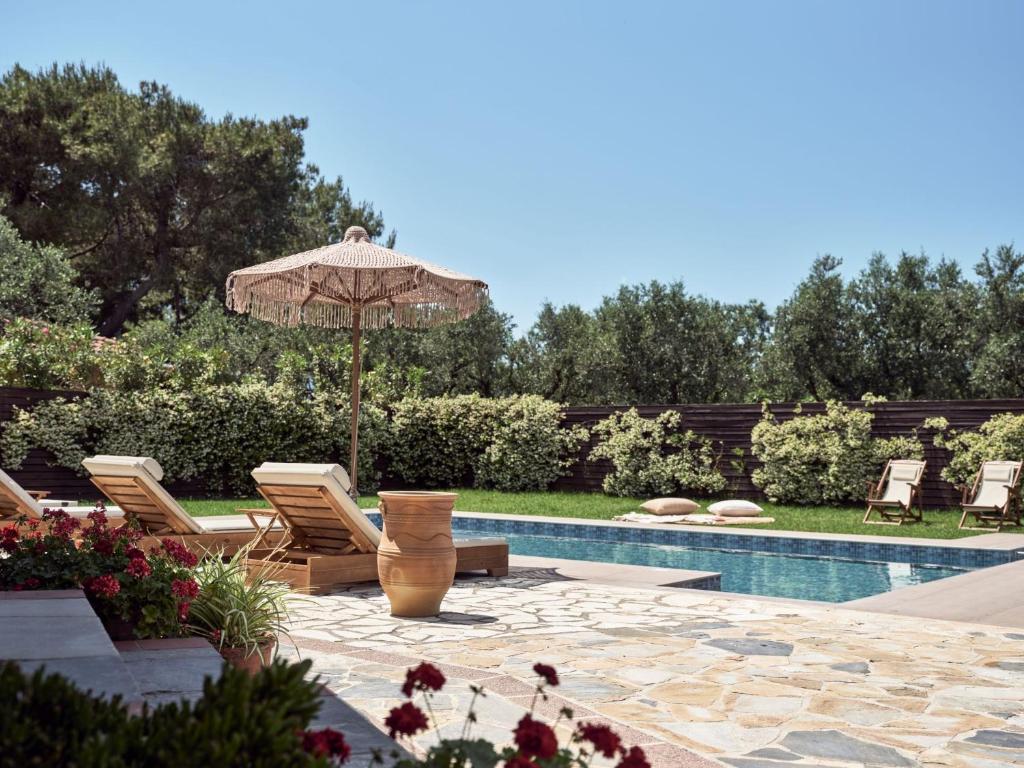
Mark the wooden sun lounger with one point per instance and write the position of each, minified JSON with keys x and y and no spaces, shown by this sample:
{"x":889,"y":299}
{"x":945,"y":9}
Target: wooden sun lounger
{"x":994,"y":498}
{"x":17,"y":503}
{"x":893,"y":497}
{"x":133,"y":483}
{"x":330,"y":541}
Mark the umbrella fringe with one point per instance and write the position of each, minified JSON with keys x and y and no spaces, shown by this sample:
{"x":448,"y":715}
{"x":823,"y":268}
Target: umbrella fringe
{"x":287,"y":313}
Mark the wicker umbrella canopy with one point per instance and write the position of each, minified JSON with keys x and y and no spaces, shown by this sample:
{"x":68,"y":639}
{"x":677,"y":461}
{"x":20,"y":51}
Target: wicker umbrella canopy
{"x":354,"y":284}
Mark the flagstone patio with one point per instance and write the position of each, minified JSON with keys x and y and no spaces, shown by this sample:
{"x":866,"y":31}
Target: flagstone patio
{"x":698,"y":677}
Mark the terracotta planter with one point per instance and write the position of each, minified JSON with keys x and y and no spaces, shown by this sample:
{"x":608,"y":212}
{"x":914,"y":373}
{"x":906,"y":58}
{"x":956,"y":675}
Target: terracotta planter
{"x":251,"y":662}
{"x":416,"y":557}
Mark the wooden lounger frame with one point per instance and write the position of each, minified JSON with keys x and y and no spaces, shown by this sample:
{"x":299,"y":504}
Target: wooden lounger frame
{"x":894,"y":512}
{"x":993,"y":518}
{"x":158,"y":521}
{"x":315,"y":558}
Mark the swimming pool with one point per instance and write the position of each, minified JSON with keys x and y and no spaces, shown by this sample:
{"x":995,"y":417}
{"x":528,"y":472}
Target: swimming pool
{"x":828,"y":570}
{"x":753,"y":573}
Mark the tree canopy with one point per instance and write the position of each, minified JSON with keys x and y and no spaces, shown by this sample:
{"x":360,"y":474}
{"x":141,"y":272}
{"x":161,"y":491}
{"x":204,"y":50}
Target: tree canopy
{"x":125,"y":210}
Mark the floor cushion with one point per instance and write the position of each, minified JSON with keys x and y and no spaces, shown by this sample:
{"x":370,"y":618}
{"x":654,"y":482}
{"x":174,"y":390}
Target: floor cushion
{"x":670,"y":506}
{"x":735,"y":508}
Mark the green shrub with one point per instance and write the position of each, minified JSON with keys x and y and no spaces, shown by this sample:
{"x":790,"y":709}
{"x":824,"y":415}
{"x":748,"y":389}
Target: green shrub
{"x":826,"y":458}
{"x":510,"y":443}
{"x":651,"y":457}
{"x":1001,"y":438}
{"x":435,"y":440}
{"x":529,"y":449}
{"x":216,"y":434}
{"x":241,"y":720}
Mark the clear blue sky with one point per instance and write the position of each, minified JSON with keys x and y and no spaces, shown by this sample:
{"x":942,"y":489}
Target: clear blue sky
{"x":559,"y":149}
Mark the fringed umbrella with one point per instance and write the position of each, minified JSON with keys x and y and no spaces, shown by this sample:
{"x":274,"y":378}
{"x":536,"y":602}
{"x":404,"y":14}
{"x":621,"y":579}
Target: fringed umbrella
{"x":354,"y":284}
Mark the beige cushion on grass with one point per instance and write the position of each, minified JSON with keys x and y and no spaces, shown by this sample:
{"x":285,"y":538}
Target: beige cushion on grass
{"x":735,"y":508}
{"x":670,"y":506}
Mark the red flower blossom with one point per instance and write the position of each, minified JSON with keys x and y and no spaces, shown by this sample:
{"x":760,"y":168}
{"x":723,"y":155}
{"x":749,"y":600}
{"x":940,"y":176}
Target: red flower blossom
{"x":138,"y":567}
{"x":326,"y":742}
{"x":103,"y":586}
{"x":98,"y":517}
{"x":9,"y":539}
{"x":134,"y":553}
{"x":535,"y":739}
{"x":183,"y":610}
{"x":518,"y":761}
{"x":547,"y":672}
{"x":104,"y":546}
{"x":186,"y":589}
{"x":634,"y":758}
{"x":406,"y":720}
{"x":179,"y":552}
{"x":425,"y":677}
{"x":604,"y":739}
{"x":62,"y":524}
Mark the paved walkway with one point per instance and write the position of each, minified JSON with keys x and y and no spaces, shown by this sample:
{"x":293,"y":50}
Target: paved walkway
{"x":750,"y":682}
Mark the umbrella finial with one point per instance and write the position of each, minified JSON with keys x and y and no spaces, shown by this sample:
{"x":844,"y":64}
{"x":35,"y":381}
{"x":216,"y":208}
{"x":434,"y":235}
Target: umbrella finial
{"x":355,"y":235}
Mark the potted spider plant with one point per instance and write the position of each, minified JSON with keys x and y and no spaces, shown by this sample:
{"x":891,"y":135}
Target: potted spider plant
{"x":241,"y":612}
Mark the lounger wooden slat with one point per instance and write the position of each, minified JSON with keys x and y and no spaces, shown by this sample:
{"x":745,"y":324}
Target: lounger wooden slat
{"x":133,"y":483}
{"x":334,"y":542}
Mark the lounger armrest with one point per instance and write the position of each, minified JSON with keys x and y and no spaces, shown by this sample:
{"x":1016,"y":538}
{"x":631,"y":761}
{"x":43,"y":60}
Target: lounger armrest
{"x":873,"y":489}
{"x":964,"y":490}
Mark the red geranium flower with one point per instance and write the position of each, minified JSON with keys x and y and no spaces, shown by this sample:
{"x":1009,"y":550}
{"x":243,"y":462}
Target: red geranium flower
{"x":183,"y":610}
{"x":138,"y":567}
{"x":186,"y":589}
{"x":406,"y":720}
{"x":518,"y":761}
{"x":98,"y":517}
{"x":9,"y":539}
{"x":547,"y":672}
{"x":535,"y":739}
{"x":104,"y":546}
{"x":326,"y":742}
{"x":604,"y":739}
{"x":634,"y":758}
{"x":425,"y":677}
{"x":104,"y":586}
{"x":134,"y":552}
{"x":179,"y":552}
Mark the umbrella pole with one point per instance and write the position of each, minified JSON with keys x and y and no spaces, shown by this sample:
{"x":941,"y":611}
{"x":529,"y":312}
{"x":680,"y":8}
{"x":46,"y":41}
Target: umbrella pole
{"x":356,"y":362}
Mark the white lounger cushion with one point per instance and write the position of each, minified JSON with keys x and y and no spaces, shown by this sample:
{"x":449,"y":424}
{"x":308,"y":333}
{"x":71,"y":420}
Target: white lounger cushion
{"x":149,"y":472}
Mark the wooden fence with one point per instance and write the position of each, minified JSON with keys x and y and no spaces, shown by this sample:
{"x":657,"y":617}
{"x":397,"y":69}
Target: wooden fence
{"x":728,"y":425}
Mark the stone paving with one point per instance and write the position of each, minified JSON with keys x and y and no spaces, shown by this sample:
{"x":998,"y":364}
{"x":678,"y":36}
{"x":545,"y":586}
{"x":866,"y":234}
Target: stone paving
{"x":696,"y":677}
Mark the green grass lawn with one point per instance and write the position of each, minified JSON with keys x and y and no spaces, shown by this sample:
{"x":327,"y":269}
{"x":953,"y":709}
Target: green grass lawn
{"x":938,"y":524}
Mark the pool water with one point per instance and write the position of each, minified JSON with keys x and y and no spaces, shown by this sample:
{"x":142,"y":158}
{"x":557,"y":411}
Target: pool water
{"x":802,"y":577}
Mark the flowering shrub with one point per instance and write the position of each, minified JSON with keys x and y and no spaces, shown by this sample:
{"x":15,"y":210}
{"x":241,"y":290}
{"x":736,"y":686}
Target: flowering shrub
{"x":44,"y":356}
{"x":1001,"y":438}
{"x":534,"y":742}
{"x":509,"y":443}
{"x":824,"y":458}
{"x":651,"y":457}
{"x":152,"y":590}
